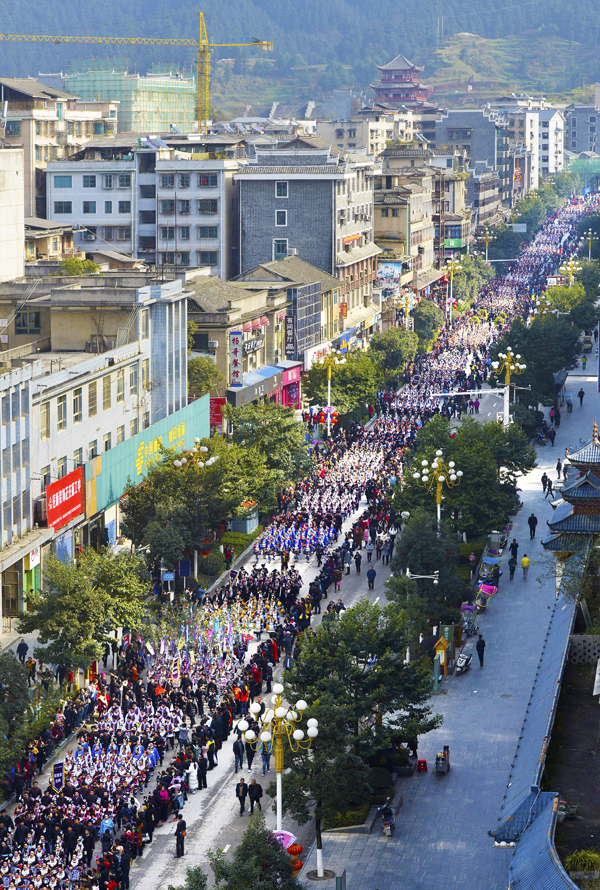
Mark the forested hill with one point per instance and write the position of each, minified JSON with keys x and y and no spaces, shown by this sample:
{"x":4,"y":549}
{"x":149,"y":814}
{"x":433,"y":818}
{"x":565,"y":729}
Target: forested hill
{"x":357,"y":33}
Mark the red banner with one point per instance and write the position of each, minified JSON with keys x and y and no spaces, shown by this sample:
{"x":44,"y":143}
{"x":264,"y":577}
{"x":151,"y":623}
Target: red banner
{"x":216,"y":410}
{"x":65,"y":498}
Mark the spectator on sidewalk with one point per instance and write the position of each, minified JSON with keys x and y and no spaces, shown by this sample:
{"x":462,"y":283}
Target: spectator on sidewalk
{"x":371,"y":575}
{"x":552,"y":435}
{"x":580,"y":396}
{"x":241,"y":792}
{"x":22,"y":650}
{"x":357,"y":561}
{"x":255,"y":793}
{"x":525,"y":563}
{"x":480,"y":646}
{"x":369,"y":548}
{"x":544,"y":483}
{"x":532,"y":523}
{"x":514,"y":548}
{"x":512,"y":564}
{"x":549,"y":490}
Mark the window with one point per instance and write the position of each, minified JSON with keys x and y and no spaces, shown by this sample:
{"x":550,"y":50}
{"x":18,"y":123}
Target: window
{"x":6,"y":461}
{"x":13,"y":128}
{"x":167,"y":233}
{"x":124,"y":206}
{"x":61,"y":413}
{"x":145,"y":324}
{"x":208,"y":231}
{"x":185,"y":207}
{"x":25,"y":448}
{"x":108,"y":206}
{"x":106,"y":441}
{"x":146,"y":420}
{"x":167,"y":207}
{"x":147,"y":191}
{"x":207,"y":180}
{"x":145,"y":373}
{"x":93,"y":449}
{"x":121,"y":385}
{"x":184,"y":180}
{"x":38,"y":153}
{"x":120,"y":434}
{"x":63,"y":182}
{"x":89,"y":182}
{"x":93,"y":398}
{"x":61,"y":467}
{"x":108,"y":233}
{"x":167,"y":180}
{"x":123,"y":233}
{"x":63,"y":207}
{"x":45,"y":420}
{"x":89,"y":206}
{"x":133,"y":427}
{"x":27,"y":323}
{"x":207,"y":205}
{"x":207,"y":257}
{"x":106,"y":392}
{"x":124,"y":180}
{"x":184,"y":233}
{"x":89,"y":234}
{"x":397,"y":212}
{"x":16,"y":403}
{"x":108,"y":181}
{"x":44,"y":478}
{"x":384,"y":211}
{"x":281,"y":217}
{"x":133,"y":379}
{"x":77,"y":405}
{"x":184,"y":258}
{"x":280,"y":248}
{"x":281,"y":189}
{"x":78,"y":458}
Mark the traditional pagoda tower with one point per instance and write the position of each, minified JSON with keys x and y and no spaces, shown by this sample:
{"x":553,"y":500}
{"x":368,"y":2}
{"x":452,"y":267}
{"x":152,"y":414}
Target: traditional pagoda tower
{"x":400,"y":85}
{"x":578,"y":519}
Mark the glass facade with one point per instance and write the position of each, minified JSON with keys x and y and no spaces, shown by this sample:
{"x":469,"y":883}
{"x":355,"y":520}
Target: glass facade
{"x":306,"y":306}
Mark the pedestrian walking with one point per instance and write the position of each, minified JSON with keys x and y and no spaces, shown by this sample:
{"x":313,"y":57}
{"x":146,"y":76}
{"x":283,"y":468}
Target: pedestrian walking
{"x":22,"y":650}
{"x":552,"y":435}
{"x":580,"y":396}
{"x":512,"y":564}
{"x":558,"y":468}
{"x":551,"y":414}
{"x":369,"y":548}
{"x":371,"y":575}
{"x":357,"y":561}
{"x":348,"y":561}
{"x":565,"y":471}
{"x":180,"y":833}
{"x":241,"y":792}
{"x":514,"y":548}
{"x":532,"y":523}
{"x":549,"y":489}
{"x":480,"y":646}
{"x":525,"y":563}
{"x":544,"y":483}
{"x":238,"y":752}
{"x":255,"y":793}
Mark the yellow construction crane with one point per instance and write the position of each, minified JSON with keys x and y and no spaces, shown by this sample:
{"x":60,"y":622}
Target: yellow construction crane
{"x":202,"y":59}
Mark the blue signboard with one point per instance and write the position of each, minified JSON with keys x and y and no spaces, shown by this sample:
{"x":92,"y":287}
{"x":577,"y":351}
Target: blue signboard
{"x":345,"y":340}
{"x":168,"y":576}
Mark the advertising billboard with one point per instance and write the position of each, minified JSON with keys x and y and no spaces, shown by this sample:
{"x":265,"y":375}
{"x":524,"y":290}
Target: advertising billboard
{"x":66,"y":498}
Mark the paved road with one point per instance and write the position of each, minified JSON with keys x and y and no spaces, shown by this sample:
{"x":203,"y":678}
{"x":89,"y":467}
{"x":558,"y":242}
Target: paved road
{"x":441,"y":837}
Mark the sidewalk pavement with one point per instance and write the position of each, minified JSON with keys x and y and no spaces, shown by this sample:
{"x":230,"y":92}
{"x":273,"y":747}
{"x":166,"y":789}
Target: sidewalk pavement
{"x":441,"y":838}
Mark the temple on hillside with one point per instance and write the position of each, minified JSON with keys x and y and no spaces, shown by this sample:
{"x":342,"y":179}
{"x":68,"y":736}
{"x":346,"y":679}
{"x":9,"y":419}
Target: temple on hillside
{"x":578,"y":518}
{"x":400,"y":85}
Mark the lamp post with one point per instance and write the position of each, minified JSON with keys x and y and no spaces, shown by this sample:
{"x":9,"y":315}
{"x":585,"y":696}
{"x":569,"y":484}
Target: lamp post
{"x":452,"y":266}
{"x":438,"y":474}
{"x":407,"y":308}
{"x":435,"y":577}
{"x":487,"y":237}
{"x":590,"y":238}
{"x":511,"y":364}
{"x":570,"y":268}
{"x":280,"y":722}
{"x":330,"y":360}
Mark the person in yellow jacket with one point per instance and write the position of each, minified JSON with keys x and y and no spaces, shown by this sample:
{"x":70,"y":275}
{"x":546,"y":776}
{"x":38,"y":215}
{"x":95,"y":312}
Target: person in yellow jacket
{"x":525,"y":563}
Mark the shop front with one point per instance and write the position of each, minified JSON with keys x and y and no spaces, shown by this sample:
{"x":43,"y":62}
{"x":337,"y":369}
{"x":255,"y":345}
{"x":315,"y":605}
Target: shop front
{"x":290,"y":390}
{"x":316,"y":354}
{"x":348,"y":340}
{"x":264,"y":383}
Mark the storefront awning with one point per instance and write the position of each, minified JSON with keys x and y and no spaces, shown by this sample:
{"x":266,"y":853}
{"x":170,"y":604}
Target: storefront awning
{"x":429,"y":277}
{"x":257,"y":384}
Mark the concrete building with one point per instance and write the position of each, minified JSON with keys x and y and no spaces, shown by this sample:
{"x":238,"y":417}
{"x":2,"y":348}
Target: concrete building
{"x":451,"y":217}
{"x":147,"y":104}
{"x":370,"y":130}
{"x":169,"y":207}
{"x":47,"y":242}
{"x":314,"y":200}
{"x":551,"y":142}
{"x":581,"y":128}
{"x":12,"y":246}
{"x":484,"y":195}
{"x":49,"y":124}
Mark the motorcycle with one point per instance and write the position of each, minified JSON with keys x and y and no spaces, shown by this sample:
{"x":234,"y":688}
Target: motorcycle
{"x":463,"y":663}
{"x":387,"y":818}
{"x":469,"y":627}
{"x":541,"y":438}
{"x":486,"y":592}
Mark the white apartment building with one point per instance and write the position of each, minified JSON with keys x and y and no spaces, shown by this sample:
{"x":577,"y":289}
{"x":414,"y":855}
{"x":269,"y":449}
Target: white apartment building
{"x":551,"y":141}
{"x":369,"y":131}
{"x":158,"y":204}
{"x":12,"y":226}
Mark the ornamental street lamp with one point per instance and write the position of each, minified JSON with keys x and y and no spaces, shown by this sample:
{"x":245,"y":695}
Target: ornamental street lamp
{"x":438,"y":474}
{"x":330,"y":361}
{"x":570,"y":268}
{"x":435,"y":577}
{"x":487,"y":237}
{"x":195,"y":456}
{"x":511,"y":365}
{"x":590,"y":238}
{"x":452,"y":266}
{"x":277,"y":723}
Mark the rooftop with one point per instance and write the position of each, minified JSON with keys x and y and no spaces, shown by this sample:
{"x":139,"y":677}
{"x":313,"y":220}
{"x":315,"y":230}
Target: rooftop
{"x":33,"y":88}
{"x":215,"y":295}
{"x":292,"y":269}
{"x":400,"y":63}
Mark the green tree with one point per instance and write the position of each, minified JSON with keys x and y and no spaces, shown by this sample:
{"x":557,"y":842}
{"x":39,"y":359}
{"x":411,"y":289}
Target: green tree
{"x":353,"y":384}
{"x":203,"y":375}
{"x":334,"y":76}
{"x":195,"y":879}
{"x":394,"y":349}
{"x":469,"y":281}
{"x":274,"y":431}
{"x":192,"y":328}
{"x":80,"y":603}
{"x":506,"y":244}
{"x":258,"y":862}
{"x":75,"y":266}
{"x":14,"y":691}
{"x":428,"y":320}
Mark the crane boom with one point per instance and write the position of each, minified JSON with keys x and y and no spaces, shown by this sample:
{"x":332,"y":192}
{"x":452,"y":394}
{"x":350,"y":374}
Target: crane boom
{"x":202,"y":60}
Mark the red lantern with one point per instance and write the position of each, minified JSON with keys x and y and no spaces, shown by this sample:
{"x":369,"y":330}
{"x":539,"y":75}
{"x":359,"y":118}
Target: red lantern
{"x":334,"y":417}
{"x":295,"y":849}
{"x":297,"y":865}
{"x":321,"y":417}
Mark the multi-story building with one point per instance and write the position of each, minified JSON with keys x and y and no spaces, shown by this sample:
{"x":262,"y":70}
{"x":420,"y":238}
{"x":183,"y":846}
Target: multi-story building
{"x":484,"y":195}
{"x":149,"y":200}
{"x":370,"y":130}
{"x":451,"y":218}
{"x":49,"y":124}
{"x":581,"y":128}
{"x":400,"y":85}
{"x":312,"y":199}
{"x":12,"y":247}
{"x":551,"y":141}
{"x":147,"y":104}
{"x":47,"y":241}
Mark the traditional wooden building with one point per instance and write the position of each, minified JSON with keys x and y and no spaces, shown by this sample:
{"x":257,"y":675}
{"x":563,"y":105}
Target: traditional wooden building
{"x":400,"y":85}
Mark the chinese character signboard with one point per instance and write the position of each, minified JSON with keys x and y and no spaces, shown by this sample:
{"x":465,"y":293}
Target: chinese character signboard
{"x":343,"y":310}
{"x":66,"y":498}
{"x":235,"y":358}
{"x":216,"y":411}
{"x":58,"y":776}
{"x":290,"y":337}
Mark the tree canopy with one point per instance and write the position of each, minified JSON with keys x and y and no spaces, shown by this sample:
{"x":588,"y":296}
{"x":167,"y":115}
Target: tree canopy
{"x":428,"y":319}
{"x":394,"y":349}
{"x":353,"y":384}
{"x":258,"y":862}
{"x":203,"y":375}
{"x":80,"y":603}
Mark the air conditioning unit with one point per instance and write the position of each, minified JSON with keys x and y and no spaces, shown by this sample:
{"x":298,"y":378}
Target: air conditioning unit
{"x":213,"y":344}
{"x":292,"y":251}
